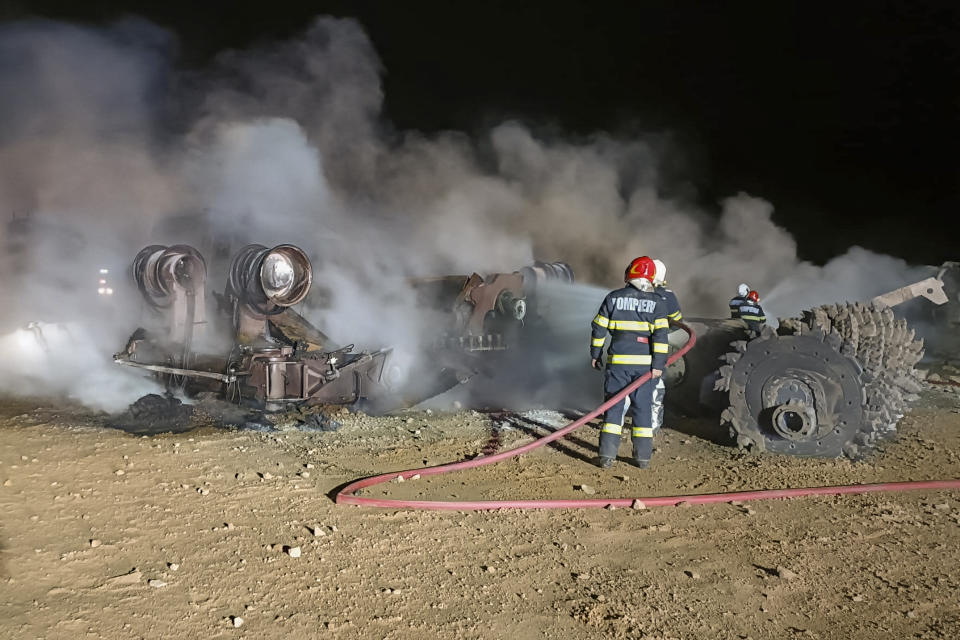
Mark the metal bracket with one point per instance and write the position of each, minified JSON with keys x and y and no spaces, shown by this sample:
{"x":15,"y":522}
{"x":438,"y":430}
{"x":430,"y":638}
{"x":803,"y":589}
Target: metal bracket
{"x":931,"y":289}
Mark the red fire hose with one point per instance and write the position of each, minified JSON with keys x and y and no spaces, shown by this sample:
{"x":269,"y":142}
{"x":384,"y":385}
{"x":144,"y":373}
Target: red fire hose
{"x":347,"y":494}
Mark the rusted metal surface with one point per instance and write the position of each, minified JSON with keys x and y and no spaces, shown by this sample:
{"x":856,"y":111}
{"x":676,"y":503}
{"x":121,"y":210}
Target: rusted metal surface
{"x":485,"y":313}
{"x":295,"y":328}
{"x":494,"y":297}
{"x":277,"y":360}
{"x":172,"y":281}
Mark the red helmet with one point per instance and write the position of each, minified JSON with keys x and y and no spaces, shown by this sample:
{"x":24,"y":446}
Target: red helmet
{"x":753,"y":295}
{"x":642,"y":267}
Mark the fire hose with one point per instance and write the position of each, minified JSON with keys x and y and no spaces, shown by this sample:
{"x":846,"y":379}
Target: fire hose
{"x":347,"y":495}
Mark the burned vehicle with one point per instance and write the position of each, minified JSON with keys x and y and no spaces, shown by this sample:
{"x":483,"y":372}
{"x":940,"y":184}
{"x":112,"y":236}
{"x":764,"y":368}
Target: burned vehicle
{"x":830,"y":383}
{"x":250,"y":347}
{"x":274,"y":358}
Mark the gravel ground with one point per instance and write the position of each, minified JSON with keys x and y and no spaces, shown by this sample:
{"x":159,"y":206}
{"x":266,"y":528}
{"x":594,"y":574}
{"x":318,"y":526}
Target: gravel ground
{"x":105,"y":534}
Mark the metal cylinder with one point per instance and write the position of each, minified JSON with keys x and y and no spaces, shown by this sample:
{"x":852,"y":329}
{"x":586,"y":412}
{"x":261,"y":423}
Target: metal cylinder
{"x":160,"y":271}
{"x":543,"y":271}
{"x":269,"y":280}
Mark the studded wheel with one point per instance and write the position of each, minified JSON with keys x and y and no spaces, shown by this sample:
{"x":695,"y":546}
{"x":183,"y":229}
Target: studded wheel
{"x":885,"y":348}
{"x":795,"y":395}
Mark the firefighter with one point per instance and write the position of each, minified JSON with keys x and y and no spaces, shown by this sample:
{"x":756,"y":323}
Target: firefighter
{"x":738,"y":300}
{"x":634,"y":317}
{"x":752,"y":313}
{"x":672,"y":309}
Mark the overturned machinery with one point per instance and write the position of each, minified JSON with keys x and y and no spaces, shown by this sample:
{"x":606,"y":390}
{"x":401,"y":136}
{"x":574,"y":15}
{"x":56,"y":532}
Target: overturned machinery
{"x":255,"y":350}
{"x":830,"y":383}
{"x":275,"y":359}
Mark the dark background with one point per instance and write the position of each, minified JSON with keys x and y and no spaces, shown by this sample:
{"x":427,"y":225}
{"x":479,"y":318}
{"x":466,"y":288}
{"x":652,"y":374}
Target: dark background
{"x":843,"y":114}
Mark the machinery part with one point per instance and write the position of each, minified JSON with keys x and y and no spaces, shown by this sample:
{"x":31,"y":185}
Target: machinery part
{"x":189,"y":373}
{"x":486,"y":298}
{"x":278,"y":378}
{"x":160,"y":272}
{"x":262,"y":283}
{"x":347,"y":495}
{"x":486,"y":312}
{"x":292,"y":328}
{"x":540,"y":272}
{"x":943,"y":322}
{"x":829,"y":383}
{"x":171,"y":280}
{"x":795,"y":395}
{"x":269,"y":280}
{"x":931,"y":289}
{"x":510,"y":306}
{"x":272,"y":373}
{"x":884,"y":347}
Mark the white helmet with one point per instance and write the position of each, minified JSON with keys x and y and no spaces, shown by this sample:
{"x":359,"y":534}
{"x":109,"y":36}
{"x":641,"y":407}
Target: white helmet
{"x":743,"y":290}
{"x":660,"y":272}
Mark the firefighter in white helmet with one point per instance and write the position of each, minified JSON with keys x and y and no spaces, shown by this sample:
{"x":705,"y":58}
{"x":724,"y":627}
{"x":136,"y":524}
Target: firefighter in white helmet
{"x":672,"y":308}
{"x":739,"y":300}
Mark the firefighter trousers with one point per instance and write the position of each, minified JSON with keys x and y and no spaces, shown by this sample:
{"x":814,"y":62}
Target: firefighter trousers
{"x":638,"y":405}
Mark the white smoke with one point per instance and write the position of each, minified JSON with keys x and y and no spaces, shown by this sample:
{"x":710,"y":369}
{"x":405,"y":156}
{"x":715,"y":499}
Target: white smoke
{"x":104,"y":140}
{"x":858,"y":274}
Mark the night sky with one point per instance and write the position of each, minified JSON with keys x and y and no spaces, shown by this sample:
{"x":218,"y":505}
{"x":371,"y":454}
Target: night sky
{"x":843,"y":114}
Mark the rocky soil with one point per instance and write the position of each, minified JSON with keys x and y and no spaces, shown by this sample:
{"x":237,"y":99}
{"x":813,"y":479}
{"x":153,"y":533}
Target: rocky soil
{"x":218,"y":533}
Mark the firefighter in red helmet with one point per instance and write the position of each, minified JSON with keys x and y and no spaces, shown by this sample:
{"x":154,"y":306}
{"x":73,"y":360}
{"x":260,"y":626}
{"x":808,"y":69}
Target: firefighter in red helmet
{"x":752,"y":313}
{"x":635,"y":318}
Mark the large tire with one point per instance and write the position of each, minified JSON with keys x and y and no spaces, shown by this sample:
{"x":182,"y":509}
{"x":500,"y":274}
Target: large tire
{"x":818,"y":354}
{"x":796,"y":395}
{"x":884,"y":346}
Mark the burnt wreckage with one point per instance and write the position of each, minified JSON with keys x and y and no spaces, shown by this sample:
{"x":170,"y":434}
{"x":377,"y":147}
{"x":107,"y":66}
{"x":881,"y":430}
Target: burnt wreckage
{"x":275,"y":360}
{"x":830,"y":383}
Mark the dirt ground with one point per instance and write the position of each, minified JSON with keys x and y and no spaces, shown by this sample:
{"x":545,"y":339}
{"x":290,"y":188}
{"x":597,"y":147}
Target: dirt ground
{"x":110,"y":535}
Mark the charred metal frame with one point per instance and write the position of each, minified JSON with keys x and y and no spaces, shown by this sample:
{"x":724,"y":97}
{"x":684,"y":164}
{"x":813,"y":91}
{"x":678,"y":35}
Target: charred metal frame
{"x":277,"y":360}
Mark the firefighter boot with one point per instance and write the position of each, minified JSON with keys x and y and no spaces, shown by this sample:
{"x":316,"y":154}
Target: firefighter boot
{"x":609,"y":443}
{"x":604,"y":462}
{"x":642,"y":446}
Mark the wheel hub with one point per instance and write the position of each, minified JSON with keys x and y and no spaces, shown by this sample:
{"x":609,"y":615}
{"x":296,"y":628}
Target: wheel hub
{"x":795,"y":395}
{"x":794,"y":420}
{"x":792,"y":403}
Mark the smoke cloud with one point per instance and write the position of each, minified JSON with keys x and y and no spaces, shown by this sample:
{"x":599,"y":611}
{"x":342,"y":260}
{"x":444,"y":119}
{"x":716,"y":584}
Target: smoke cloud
{"x":106,"y":146}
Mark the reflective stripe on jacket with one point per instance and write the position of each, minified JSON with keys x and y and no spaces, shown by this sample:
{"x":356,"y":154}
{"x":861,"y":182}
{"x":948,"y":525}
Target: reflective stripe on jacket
{"x":752,"y":312}
{"x":735,"y":303}
{"x":637,"y":324}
